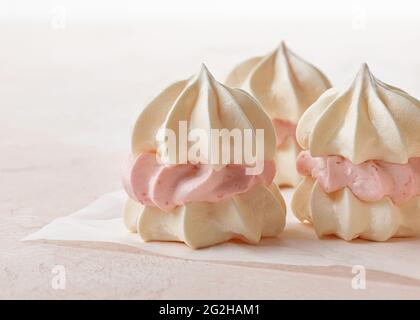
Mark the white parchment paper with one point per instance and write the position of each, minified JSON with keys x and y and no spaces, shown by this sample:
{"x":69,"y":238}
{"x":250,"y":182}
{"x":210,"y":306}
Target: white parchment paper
{"x":298,"y":245}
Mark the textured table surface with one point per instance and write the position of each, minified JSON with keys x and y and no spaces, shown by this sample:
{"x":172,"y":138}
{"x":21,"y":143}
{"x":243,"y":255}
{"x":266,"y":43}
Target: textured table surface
{"x":67,"y":100}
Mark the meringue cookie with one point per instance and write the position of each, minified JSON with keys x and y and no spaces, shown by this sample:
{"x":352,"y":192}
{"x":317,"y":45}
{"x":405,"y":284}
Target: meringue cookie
{"x":366,"y":134}
{"x":250,"y":208}
{"x":286,"y":86}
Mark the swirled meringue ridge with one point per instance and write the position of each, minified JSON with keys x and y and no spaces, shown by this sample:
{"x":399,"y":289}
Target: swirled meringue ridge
{"x":166,"y":187}
{"x":369,"y":181}
{"x":368,"y":120}
{"x":285,"y":85}
{"x":205,"y":104}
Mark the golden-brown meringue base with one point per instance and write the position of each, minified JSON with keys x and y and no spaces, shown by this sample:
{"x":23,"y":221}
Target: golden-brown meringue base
{"x":258,"y":213}
{"x":342,"y":214}
{"x":286,"y":173}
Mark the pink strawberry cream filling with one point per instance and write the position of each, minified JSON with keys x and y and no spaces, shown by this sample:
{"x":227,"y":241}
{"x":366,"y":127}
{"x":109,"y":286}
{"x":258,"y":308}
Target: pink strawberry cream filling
{"x":369,"y":181}
{"x":168,"y":186}
{"x":283,"y":130}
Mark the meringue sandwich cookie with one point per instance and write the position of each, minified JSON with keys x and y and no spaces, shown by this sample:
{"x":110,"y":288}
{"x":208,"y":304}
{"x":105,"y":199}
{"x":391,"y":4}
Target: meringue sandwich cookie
{"x":203,"y":203}
{"x":361,"y":162}
{"x":285,"y":85}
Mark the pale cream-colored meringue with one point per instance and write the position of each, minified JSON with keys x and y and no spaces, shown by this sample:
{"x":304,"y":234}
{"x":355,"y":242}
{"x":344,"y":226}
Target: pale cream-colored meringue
{"x":249,"y":217}
{"x":206,"y":104}
{"x":285,"y":85}
{"x":342,"y":214}
{"x":368,"y":120}
{"x":286,"y":174}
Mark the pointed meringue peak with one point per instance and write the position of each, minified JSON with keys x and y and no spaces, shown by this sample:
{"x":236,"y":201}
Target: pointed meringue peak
{"x":285,"y":84}
{"x":203,"y":67}
{"x":204,"y":72}
{"x":282,"y":47}
{"x":281,"y":56}
{"x":364,"y":72}
{"x":203,"y":76}
{"x":364,"y":76}
{"x":368,"y":120}
{"x":364,"y":68}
